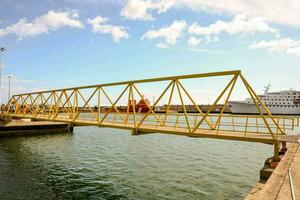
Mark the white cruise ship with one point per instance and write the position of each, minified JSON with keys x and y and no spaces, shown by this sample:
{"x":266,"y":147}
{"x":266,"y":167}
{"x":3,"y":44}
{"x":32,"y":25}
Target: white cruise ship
{"x":285,"y":102}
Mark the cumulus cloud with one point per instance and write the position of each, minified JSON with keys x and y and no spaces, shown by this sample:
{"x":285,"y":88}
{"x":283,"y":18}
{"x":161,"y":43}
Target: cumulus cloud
{"x":281,"y":12}
{"x":214,"y":38}
{"x":43,"y":24}
{"x":170,"y":33}
{"x":99,"y":25}
{"x":285,"y":45}
{"x":162,"y":45}
{"x":193,"y":41}
{"x":240,"y":24}
{"x":140,"y":9}
{"x":206,"y":50}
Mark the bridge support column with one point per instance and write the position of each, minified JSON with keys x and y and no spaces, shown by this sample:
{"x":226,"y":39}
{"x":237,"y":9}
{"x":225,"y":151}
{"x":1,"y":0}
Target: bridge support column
{"x":134,"y":131}
{"x":71,"y":128}
{"x":276,"y":152}
{"x":283,"y":148}
{"x":4,"y":120}
{"x":271,"y":163}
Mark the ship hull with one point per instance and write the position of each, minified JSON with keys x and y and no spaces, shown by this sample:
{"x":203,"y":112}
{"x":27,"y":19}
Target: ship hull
{"x":239,"y":107}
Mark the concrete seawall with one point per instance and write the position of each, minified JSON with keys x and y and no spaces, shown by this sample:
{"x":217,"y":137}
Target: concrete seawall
{"x":21,"y":127}
{"x":284,"y":183}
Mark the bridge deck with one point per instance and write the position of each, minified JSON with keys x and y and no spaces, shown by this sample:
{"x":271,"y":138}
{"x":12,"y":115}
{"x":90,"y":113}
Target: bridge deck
{"x":203,"y":133}
{"x":184,"y":131}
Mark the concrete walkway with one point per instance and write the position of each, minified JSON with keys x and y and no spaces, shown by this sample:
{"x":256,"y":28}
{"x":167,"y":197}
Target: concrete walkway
{"x":279,"y":186}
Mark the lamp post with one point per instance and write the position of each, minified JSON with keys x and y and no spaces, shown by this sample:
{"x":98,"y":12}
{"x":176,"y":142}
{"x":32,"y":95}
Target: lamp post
{"x":2,"y":49}
{"x":9,"y":78}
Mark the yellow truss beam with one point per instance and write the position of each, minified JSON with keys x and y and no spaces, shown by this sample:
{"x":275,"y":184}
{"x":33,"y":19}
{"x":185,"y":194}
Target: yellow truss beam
{"x":49,"y":104}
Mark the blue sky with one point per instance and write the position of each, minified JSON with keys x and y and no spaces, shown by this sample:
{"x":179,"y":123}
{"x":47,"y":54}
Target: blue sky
{"x":55,"y":44}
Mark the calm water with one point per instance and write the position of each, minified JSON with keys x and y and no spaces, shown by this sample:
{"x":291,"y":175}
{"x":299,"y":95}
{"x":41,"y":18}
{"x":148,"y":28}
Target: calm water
{"x":99,"y":163}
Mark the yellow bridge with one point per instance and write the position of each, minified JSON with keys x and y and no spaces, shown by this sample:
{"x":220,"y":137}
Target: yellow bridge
{"x":103,"y":105}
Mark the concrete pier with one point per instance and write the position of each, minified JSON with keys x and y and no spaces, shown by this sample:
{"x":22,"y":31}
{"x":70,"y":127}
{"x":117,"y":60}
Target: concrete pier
{"x":284,"y":183}
{"x":27,"y":127}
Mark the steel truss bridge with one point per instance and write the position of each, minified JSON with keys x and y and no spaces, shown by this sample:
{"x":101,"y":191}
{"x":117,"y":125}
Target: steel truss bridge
{"x":76,"y":106}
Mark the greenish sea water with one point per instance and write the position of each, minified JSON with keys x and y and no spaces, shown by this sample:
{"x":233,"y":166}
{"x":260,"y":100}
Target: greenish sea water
{"x":102,"y":163}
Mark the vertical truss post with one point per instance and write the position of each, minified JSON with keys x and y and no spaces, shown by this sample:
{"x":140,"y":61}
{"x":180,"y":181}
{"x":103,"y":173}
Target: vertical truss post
{"x":77,"y":104}
{"x":183,"y":106}
{"x":135,"y":127}
{"x":134,"y":111}
{"x":74,"y":104}
{"x":99,"y":105}
{"x":128,"y":106}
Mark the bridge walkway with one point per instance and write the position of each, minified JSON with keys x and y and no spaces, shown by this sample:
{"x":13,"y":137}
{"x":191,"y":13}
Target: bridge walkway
{"x":233,"y":134}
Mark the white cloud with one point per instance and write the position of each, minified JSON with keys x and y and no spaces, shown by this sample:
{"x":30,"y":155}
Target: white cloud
{"x":284,"y":45}
{"x":280,"y":12}
{"x":209,"y":39}
{"x":140,"y":9}
{"x":170,"y":33}
{"x":162,"y":45}
{"x":193,"y":41}
{"x":206,"y":50}
{"x":43,"y":24}
{"x":99,"y":26}
{"x":240,"y":24}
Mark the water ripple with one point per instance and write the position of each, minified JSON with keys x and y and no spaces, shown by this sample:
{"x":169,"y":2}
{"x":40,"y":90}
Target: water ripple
{"x":94,"y":163}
